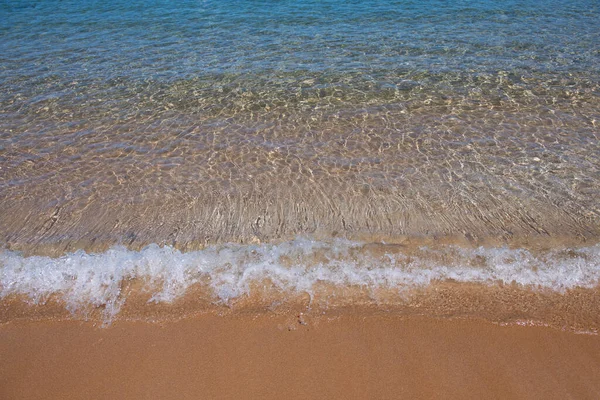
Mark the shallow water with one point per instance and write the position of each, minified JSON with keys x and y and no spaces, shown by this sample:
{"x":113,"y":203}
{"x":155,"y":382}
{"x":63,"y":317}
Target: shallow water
{"x":178,"y":122}
{"x":194,"y":123}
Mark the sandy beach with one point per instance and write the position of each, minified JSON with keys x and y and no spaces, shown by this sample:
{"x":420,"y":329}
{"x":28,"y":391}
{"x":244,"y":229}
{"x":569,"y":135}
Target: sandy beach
{"x":299,"y":199}
{"x":267,"y":356}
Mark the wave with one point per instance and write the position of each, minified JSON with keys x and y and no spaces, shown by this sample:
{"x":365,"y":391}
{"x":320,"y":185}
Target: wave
{"x":299,"y":266}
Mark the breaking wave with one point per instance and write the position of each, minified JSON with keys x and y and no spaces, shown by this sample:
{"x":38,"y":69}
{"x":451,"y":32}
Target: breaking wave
{"x":230,"y":271}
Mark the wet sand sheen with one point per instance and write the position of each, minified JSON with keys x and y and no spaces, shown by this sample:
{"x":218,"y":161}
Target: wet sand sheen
{"x":354,"y":355}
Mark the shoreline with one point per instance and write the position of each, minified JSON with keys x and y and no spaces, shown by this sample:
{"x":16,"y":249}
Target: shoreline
{"x":535,"y":243}
{"x":247,"y":355}
{"x":573,"y":311}
{"x":559,"y":287}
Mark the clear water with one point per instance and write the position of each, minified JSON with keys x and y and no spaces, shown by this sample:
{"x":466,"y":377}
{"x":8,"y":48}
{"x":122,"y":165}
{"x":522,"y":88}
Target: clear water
{"x":194,"y":123}
{"x":439,"y":117}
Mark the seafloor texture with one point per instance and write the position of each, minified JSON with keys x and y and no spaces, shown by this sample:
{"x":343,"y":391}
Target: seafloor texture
{"x":188,"y":123}
{"x":456,"y":144}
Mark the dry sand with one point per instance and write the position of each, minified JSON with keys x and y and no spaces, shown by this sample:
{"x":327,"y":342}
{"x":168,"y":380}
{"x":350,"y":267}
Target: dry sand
{"x":362,"y":355}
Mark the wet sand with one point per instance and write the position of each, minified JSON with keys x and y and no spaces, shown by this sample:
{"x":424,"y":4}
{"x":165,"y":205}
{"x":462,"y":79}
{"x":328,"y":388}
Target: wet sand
{"x":248,"y":355}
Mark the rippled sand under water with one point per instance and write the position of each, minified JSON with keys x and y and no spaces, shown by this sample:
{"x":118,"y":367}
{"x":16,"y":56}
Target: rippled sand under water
{"x":382,"y":171}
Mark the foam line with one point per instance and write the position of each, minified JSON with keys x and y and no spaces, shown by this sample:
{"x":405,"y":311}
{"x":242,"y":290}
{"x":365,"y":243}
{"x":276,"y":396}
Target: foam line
{"x":84,"y":280}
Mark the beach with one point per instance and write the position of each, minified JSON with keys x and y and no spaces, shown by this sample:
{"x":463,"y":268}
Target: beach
{"x":316,"y":199}
{"x":451,"y":340}
{"x":353,"y":355}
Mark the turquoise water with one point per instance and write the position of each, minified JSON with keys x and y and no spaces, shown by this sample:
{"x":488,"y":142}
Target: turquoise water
{"x":85,"y":51}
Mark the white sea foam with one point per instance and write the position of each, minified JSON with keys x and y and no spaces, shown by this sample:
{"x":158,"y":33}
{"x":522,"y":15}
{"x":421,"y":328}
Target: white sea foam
{"x":84,"y":280}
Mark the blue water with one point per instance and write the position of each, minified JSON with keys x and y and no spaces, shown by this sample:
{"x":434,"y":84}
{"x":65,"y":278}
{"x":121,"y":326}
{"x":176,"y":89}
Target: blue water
{"x":54,"y":43}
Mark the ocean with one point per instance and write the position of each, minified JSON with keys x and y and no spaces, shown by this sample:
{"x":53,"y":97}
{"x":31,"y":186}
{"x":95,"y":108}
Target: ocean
{"x":218,"y":154}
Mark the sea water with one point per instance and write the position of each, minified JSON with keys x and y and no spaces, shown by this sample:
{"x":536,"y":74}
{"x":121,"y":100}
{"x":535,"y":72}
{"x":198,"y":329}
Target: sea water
{"x":217,"y":138}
